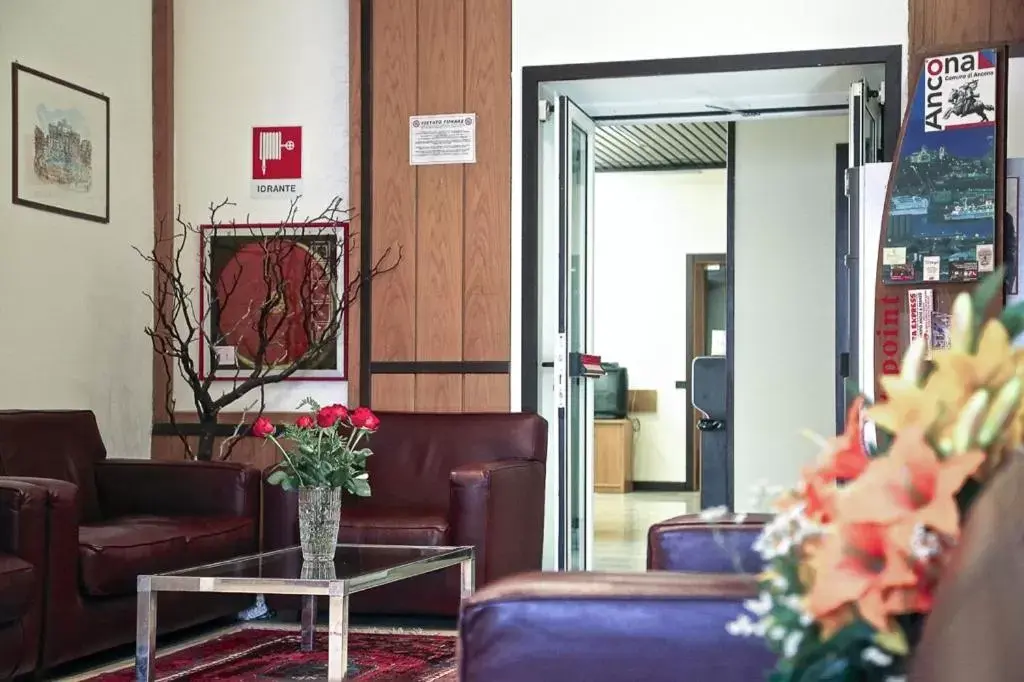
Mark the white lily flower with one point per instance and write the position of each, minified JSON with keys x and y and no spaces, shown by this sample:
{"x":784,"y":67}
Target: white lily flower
{"x":713,"y":513}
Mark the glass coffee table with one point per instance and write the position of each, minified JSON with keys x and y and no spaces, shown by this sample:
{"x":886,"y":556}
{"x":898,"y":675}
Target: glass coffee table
{"x":355,"y":568}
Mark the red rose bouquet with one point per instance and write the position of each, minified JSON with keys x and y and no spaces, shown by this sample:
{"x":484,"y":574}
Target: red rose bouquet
{"x":326,"y":448}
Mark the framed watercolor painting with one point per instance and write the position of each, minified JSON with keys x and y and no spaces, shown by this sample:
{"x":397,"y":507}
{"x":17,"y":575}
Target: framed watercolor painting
{"x":60,"y":145}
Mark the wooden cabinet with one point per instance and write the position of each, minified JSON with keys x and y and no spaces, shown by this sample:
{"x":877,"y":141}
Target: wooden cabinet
{"x":613,"y":455}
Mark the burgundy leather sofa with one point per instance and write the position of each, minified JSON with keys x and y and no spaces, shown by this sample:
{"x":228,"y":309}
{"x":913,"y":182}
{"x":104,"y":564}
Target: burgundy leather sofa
{"x":22,"y":575}
{"x":976,"y":626}
{"x":438,"y":479}
{"x":666,"y":625}
{"x":112,"y":520}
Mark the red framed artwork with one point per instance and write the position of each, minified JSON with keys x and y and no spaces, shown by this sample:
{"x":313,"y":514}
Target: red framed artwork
{"x":273,"y":297}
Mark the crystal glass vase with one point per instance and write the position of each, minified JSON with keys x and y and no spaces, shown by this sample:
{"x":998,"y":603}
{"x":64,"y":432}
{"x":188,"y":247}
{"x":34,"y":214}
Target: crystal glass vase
{"x":319,"y":518}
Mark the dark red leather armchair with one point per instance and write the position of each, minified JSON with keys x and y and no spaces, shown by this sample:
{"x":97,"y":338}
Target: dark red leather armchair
{"x":439,"y":479}
{"x":22,"y":575}
{"x":112,"y":520}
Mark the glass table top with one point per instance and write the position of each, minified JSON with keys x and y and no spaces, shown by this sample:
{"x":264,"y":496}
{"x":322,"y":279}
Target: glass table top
{"x":284,"y":572}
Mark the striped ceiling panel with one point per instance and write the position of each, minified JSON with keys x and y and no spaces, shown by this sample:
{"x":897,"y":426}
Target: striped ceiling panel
{"x":660,"y":145}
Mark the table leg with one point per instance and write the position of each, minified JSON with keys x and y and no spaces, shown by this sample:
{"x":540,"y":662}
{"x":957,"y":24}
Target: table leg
{"x":468,"y":582}
{"x":337,"y":638}
{"x":308,"y":622}
{"x":145,"y":631}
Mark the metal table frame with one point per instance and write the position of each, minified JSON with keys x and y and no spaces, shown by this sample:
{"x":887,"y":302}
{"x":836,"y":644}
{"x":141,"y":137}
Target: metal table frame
{"x":337,"y":590}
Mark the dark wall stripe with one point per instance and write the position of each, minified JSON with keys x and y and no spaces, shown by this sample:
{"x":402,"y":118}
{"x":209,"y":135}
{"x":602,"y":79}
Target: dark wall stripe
{"x":661,"y":487}
{"x":441,"y":367}
{"x":366,"y":198}
{"x":194,"y":430}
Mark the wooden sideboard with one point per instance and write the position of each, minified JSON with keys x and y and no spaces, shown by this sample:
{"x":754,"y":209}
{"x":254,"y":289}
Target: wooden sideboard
{"x":613,"y":455}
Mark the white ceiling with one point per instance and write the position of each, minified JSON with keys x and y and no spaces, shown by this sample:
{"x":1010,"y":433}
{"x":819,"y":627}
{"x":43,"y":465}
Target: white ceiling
{"x":741,"y":90}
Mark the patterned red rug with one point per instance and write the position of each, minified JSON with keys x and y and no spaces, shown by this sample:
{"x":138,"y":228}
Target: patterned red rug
{"x":269,"y":654}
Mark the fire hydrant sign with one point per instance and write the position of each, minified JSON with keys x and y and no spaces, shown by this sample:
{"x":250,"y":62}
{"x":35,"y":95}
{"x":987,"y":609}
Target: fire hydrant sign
{"x":276,"y":162}
{"x":442,"y":139}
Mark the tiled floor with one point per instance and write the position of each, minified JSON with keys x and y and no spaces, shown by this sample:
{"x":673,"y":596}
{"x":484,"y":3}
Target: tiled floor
{"x":621,"y":522}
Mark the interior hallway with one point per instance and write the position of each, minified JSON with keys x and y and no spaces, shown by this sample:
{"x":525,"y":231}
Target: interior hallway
{"x":621,"y":522}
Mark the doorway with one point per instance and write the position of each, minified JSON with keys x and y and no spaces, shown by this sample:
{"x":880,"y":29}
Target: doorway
{"x":707,"y":322}
{"x":573,"y":87}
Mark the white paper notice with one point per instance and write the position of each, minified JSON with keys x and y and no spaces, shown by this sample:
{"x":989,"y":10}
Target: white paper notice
{"x":919,"y":312}
{"x":894,"y":255}
{"x":718,"y":342}
{"x":986,"y":255}
{"x":227,"y":356}
{"x":932,"y":268}
{"x":442,"y":139}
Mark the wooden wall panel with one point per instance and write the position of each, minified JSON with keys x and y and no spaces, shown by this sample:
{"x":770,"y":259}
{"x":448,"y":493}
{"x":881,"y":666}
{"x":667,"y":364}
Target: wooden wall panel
{"x":394,"y":392}
{"x":488,"y":284}
{"x":394,"y":180}
{"x":937,"y":24}
{"x":439,"y":189}
{"x":449,"y":304}
{"x":439,"y":393}
{"x":1006,"y":20}
{"x":485,"y":393}
{"x":163,"y":176}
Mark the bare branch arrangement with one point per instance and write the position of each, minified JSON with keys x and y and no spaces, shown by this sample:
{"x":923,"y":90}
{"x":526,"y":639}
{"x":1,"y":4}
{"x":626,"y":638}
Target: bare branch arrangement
{"x":282,"y":314}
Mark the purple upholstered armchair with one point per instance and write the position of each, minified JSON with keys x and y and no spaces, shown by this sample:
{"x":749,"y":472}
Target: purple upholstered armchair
{"x":667,"y":625}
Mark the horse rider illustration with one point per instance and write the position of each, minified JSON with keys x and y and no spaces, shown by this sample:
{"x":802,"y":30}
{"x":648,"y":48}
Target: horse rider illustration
{"x":965,"y":101}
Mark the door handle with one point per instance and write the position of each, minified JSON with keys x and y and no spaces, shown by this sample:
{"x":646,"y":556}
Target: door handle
{"x":844,"y":365}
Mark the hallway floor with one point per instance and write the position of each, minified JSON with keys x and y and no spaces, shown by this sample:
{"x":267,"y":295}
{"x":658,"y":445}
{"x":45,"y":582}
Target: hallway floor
{"x":621,"y":522}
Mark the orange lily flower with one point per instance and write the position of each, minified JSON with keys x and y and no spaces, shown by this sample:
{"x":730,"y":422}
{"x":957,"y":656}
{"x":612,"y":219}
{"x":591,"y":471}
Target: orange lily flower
{"x":856,"y":565}
{"x":845,"y":458}
{"x":819,"y":495}
{"x":909,"y":486}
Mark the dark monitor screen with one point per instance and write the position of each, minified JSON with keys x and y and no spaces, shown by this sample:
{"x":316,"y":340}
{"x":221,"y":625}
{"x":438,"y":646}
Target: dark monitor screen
{"x":611,"y":392}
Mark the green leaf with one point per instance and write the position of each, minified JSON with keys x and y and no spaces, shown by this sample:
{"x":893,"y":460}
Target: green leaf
{"x":361,"y":487}
{"x":310,"y":403}
{"x":894,"y":641}
{"x":986,"y":290}
{"x":277,"y":478}
{"x":1012,"y":318}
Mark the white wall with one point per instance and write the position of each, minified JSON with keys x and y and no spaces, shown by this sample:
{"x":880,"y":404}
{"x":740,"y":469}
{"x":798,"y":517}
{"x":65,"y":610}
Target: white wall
{"x":784,"y":381}
{"x":645,"y":225}
{"x":573,"y":31}
{"x":245,"y":63}
{"x":71,"y":291}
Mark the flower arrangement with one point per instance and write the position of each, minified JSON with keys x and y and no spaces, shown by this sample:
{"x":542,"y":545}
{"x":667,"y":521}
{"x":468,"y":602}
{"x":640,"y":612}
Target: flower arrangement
{"x":325,"y":448}
{"x":856,"y":550}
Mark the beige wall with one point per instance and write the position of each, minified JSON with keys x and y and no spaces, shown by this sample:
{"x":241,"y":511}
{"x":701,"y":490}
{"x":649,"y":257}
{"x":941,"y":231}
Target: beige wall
{"x":71,"y":291}
{"x":784,"y":371}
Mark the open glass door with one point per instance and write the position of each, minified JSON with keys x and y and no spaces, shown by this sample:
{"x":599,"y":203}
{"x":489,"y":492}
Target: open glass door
{"x":865,"y":124}
{"x":573,"y":392}
{"x":864,"y":147}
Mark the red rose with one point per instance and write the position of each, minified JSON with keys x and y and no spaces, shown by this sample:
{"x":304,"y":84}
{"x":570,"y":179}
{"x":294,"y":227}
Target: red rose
{"x":340,"y":409}
{"x":363,"y":418}
{"x":304,"y":422}
{"x":261,"y":428}
{"x":330,"y":415}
